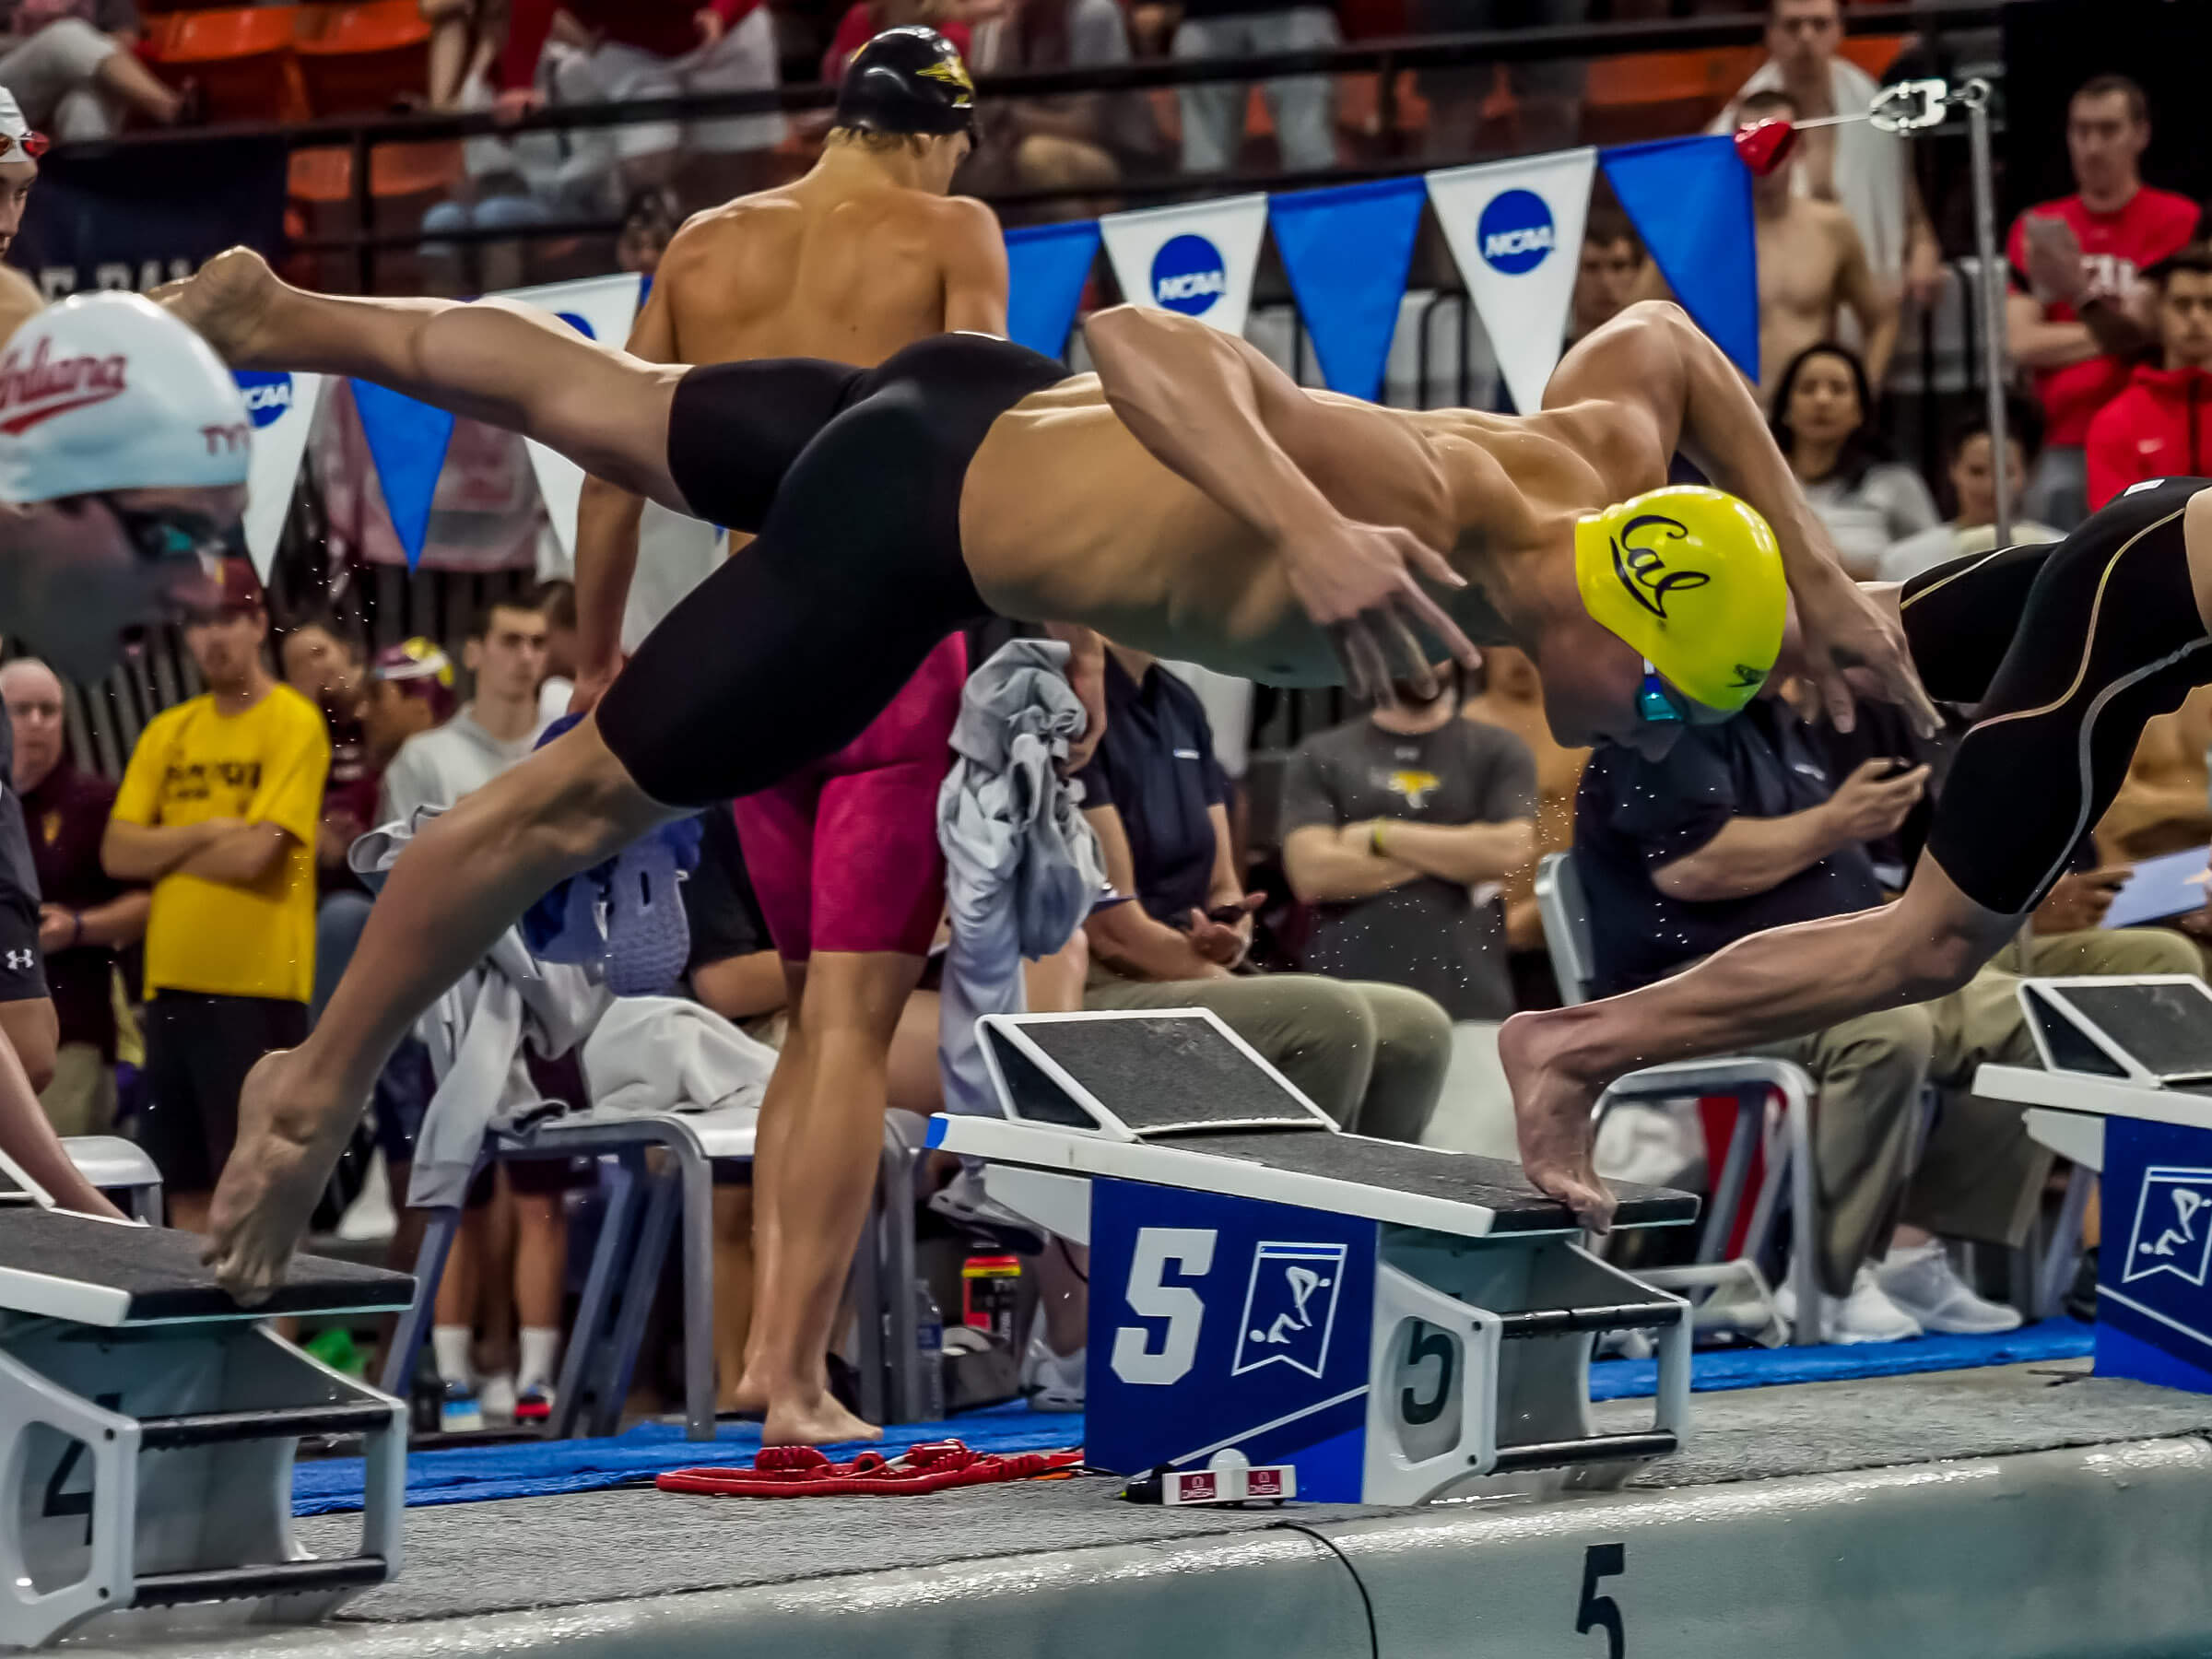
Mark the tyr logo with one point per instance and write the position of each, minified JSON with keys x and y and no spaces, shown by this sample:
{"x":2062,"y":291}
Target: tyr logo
{"x":1642,"y":571}
{"x":228,"y":440}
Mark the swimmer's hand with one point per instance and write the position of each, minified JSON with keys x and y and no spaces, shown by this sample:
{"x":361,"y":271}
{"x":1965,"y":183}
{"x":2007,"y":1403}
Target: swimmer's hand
{"x":1362,"y":583}
{"x":1839,"y":626}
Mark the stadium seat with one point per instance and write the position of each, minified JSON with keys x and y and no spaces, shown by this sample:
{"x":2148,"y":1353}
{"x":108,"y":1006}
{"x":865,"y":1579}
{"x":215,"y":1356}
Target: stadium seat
{"x":241,"y":57}
{"x":1873,"y":53}
{"x":1661,"y":94}
{"x":363,"y":59}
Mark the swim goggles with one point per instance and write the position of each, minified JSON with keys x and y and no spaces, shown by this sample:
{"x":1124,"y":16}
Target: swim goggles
{"x":160,"y":535}
{"x":1658,"y":703}
{"x":33,"y":145}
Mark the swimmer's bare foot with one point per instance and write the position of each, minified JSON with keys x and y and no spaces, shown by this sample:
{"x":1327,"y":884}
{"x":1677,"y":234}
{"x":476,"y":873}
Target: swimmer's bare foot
{"x":746,"y":1399}
{"x":817,"y":1421}
{"x":274,"y":1174}
{"x":1551,"y":1111}
{"x":227,"y":302}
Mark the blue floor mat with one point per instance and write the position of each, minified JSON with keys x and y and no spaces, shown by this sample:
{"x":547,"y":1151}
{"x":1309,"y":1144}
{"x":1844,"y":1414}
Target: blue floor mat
{"x":536,"y":1468}
{"x":1764,"y":1368}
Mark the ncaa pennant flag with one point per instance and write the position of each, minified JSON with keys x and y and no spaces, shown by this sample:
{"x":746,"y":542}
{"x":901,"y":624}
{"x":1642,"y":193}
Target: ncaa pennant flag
{"x":1198,"y":259}
{"x":1515,"y":230}
{"x":282,"y":407}
{"x":1046,"y":268}
{"x":406,"y":441}
{"x":598,"y":308}
{"x":1691,"y":201}
{"x":1346,"y":251}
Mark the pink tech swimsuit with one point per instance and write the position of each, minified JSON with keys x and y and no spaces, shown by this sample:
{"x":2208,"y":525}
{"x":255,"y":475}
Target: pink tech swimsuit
{"x":843,"y":852}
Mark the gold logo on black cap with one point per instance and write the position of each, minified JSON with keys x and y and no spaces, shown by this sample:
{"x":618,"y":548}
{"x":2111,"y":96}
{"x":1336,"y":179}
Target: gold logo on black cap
{"x":954,"y":74}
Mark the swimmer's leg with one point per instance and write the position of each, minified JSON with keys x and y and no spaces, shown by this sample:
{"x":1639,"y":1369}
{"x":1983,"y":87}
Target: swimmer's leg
{"x":505,"y":364}
{"x":446,"y":901}
{"x":1761,"y":989}
{"x":822,"y":1139}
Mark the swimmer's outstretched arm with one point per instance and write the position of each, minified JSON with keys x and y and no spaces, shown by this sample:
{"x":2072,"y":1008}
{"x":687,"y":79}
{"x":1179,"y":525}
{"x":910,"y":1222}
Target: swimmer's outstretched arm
{"x":1214,"y":410}
{"x":1653,"y":357}
{"x":1761,"y":989}
{"x":499,"y":363}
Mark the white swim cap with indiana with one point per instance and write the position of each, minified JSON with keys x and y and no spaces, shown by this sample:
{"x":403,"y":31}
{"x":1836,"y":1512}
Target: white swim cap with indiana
{"x":109,"y":391}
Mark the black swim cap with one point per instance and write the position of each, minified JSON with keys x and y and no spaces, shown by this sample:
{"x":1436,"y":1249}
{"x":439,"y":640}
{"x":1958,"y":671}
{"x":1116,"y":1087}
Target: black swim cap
{"x":907,"y":80}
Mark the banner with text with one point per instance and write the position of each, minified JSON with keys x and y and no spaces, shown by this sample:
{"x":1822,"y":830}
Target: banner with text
{"x":282,"y":407}
{"x":1199,"y":260}
{"x":1691,"y":201}
{"x":1516,"y":229}
{"x":598,"y":308}
{"x":1346,"y":251}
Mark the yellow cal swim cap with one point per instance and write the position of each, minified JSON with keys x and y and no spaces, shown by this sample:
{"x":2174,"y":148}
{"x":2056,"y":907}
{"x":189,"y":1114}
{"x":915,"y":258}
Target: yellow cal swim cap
{"x":1691,"y":579}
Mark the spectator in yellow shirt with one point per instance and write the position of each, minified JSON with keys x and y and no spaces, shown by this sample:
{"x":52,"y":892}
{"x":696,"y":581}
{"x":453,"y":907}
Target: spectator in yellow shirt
{"x":218,"y":810}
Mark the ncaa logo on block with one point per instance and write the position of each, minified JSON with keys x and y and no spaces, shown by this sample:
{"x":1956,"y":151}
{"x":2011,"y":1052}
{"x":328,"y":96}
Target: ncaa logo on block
{"x":2173,"y":1227}
{"x":1188,"y":276}
{"x":1290,"y":1308}
{"x":1514,"y":233}
{"x":576,"y":321}
{"x":269,"y":396}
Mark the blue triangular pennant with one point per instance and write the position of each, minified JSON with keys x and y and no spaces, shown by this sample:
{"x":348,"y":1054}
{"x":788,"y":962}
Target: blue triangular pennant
{"x":1691,"y":201}
{"x":1046,"y":267}
{"x":406,"y":441}
{"x":1346,"y":251}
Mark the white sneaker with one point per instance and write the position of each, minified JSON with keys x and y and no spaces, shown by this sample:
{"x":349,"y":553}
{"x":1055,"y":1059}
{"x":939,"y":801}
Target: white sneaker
{"x":495,"y":1394}
{"x":1052,"y":1382}
{"x":1921,"y":1280}
{"x":1866,"y":1315}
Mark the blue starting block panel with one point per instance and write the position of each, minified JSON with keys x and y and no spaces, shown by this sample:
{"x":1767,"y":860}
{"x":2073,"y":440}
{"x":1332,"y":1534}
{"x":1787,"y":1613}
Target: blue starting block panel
{"x":1394,"y":1321}
{"x":2126,"y":1086}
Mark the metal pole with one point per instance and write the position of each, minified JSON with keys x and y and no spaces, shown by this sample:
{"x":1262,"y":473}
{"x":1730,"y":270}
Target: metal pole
{"x":1974,"y":95}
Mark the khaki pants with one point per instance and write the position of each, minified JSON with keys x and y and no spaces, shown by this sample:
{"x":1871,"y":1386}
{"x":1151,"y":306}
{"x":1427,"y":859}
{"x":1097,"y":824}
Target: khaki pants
{"x":1979,"y":1176}
{"x":81,"y":1098}
{"x":1372,"y":1056}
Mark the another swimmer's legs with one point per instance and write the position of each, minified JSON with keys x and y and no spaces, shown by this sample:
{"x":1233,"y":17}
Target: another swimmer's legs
{"x":448,"y":898}
{"x":494,"y":362}
{"x":1758,"y":989}
{"x":821,"y":1138}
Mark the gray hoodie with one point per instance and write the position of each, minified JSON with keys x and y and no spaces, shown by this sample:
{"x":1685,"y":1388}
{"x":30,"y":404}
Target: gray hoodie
{"x":1022,"y":863}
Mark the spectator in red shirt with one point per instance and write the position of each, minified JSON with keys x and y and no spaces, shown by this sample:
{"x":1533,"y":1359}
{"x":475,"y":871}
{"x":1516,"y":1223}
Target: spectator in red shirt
{"x":642,"y":48}
{"x":2161,"y":425}
{"x":2076,"y":298}
{"x":322,"y":661}
{"x":86,"y":916}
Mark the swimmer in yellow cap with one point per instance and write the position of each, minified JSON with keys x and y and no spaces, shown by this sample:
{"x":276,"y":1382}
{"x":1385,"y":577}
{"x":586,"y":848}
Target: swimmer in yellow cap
{"x":1187,"y":500}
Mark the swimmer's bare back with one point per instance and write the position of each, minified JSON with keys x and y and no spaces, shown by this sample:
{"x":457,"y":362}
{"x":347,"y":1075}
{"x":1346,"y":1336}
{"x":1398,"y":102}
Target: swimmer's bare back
{"x":1150,"y":559}
{"x":817,"y":268}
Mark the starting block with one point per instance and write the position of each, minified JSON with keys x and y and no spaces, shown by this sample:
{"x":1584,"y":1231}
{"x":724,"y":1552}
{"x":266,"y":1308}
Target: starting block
{"x":2125,"y":1088}
{"x":1393,"y":1322}
{"x":147,"y":1426}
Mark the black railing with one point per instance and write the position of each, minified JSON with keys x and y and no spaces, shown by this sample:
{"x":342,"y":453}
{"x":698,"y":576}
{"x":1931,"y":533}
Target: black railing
{"x":362,"y":136}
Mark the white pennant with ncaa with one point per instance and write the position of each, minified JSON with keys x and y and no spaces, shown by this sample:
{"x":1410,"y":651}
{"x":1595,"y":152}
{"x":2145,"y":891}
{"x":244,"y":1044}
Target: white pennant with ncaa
{"x":1199,"y":260}
{"x":1516,"y":229}
{"x":282,"y":408}
{"x":601,"y":309}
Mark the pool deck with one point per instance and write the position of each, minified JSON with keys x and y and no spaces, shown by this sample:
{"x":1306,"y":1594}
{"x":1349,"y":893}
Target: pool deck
{"x":2020,"y":1509}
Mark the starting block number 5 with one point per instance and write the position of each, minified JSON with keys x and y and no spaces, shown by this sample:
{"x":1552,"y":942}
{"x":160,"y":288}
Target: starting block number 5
{"x":1191,"y":1251}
